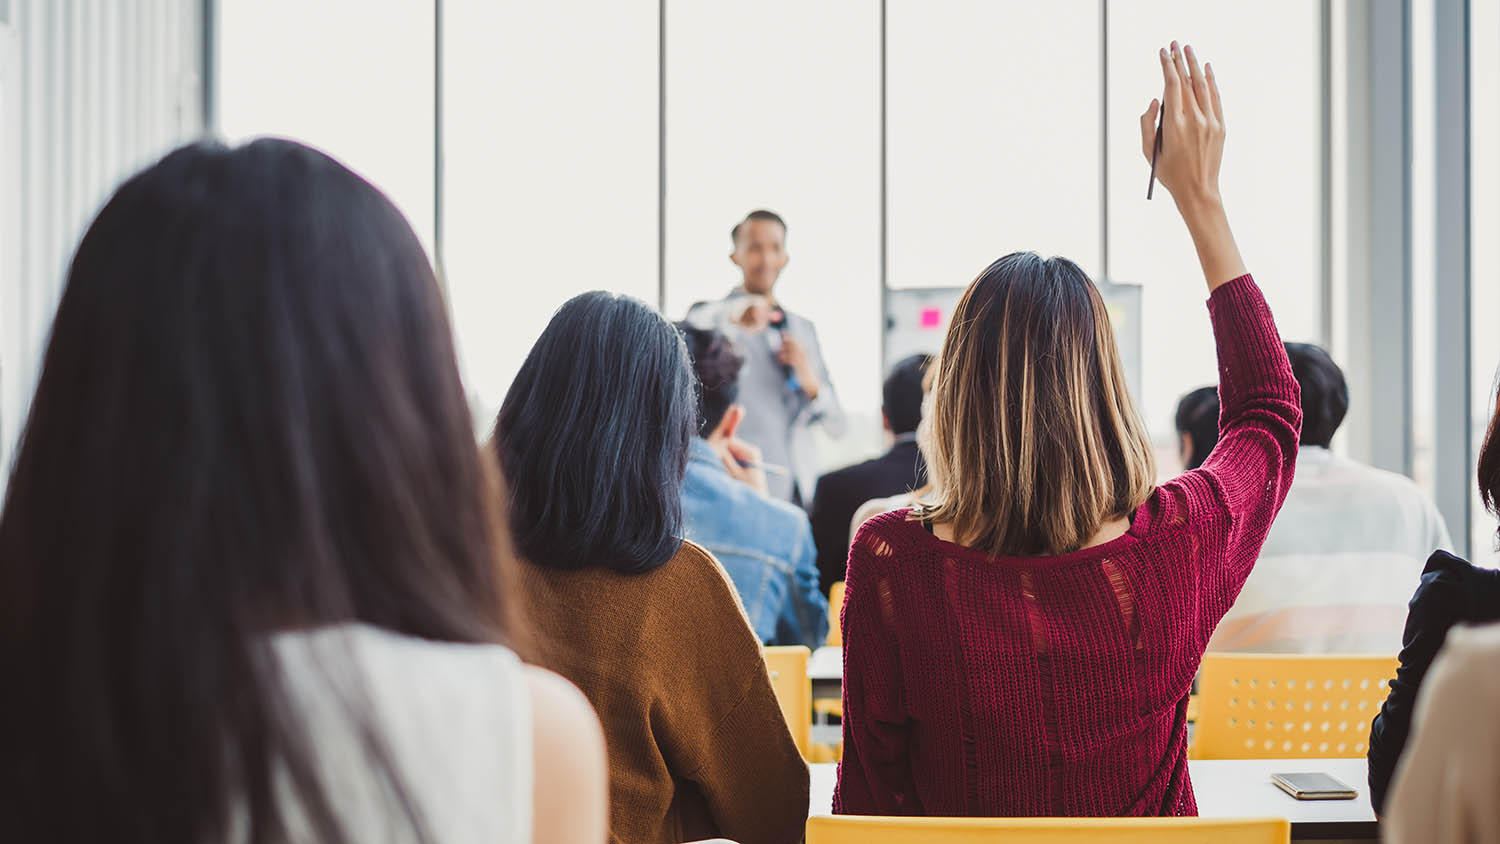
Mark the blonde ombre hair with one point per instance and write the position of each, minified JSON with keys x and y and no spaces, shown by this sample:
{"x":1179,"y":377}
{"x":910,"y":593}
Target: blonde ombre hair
{"x":1034,"y":434}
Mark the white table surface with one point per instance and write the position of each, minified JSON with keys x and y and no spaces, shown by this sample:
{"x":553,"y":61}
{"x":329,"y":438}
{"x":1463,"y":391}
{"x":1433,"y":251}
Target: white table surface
{"x":1229,"y":788}
{"x":826,"y":665}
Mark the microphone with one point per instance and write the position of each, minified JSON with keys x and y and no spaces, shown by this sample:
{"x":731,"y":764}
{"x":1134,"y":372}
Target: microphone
{"x":778,"y":322}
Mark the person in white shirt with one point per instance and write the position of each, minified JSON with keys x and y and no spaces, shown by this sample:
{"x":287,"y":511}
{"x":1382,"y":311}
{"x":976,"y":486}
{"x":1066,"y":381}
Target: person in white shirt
{"x":1336,"y":572}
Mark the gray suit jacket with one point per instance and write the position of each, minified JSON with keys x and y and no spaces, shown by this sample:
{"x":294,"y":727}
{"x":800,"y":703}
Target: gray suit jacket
{"x":778,"y":417}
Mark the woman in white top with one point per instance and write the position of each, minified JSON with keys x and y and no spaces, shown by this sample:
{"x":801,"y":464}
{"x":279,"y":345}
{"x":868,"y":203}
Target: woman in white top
{"x":250,"y":585}
{"x":1447,"y":783}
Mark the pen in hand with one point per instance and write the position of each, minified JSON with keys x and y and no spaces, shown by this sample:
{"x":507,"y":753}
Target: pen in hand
{"x":768,"y":468}
{"x":1156,"y":151}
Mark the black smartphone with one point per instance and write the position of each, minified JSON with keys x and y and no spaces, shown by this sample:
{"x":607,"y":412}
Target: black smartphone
{"x":1313,"y":786}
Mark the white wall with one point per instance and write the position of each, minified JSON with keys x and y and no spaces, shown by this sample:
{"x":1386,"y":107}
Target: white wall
{"x":550,"y":156}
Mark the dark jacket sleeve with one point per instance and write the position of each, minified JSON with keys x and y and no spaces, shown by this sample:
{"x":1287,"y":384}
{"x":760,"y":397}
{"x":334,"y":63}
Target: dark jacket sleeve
{"x":1451,"y":592}
{"x":830,"y":515}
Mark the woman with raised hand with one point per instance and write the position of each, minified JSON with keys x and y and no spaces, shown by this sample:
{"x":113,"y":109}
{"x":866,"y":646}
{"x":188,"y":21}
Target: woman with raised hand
{"x":593,"y":440}
{"x":250,"y":563}
{"x":1026,"y":645}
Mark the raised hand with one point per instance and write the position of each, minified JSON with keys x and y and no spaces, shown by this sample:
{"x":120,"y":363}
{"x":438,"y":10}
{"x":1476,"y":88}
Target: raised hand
{"x":1192,"y":128}
{"x":1192,"y":148}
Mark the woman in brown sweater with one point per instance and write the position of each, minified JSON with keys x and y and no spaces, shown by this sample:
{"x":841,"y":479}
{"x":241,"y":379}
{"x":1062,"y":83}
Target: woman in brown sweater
{"x":593,"y":441}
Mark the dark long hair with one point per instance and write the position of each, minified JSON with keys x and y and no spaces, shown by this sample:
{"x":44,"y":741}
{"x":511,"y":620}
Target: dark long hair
{"x":593,"y":438}
{"x":249,"y":419}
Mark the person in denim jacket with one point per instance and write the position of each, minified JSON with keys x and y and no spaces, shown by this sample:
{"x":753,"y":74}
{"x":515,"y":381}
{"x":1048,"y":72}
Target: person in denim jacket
{"x":764,"y":544}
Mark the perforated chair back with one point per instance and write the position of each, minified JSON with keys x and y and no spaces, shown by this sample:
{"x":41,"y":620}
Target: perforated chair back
{"x":787,"y":666}
{"x":852,"y":829}
{"x":835,"y":608}
{"x":1259,"y":706}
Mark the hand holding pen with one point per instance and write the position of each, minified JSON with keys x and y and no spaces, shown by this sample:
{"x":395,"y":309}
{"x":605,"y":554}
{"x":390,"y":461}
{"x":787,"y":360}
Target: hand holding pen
{"x":1186,"y":149}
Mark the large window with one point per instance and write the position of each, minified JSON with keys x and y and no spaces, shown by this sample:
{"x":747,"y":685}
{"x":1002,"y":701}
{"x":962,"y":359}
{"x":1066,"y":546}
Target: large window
{"x":588,"y":145}
{"x":550,"y":169}
{"x":1271,"y":178}
{"x":351,"y":77}
{"x":993,"y":132}
{"x":1484,"y":245}
{"x":779,"y":109}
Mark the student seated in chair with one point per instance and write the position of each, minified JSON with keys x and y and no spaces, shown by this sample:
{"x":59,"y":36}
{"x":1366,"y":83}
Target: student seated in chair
{"x":1027,"y":645}
{"x":765,"y":544}
{"x":253,"y":583}
{"x":593,"y":440}
{"x":1337,"y":569}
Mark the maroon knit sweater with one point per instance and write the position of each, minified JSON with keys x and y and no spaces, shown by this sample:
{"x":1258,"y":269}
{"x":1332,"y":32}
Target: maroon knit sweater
{"x":1058,"y":686}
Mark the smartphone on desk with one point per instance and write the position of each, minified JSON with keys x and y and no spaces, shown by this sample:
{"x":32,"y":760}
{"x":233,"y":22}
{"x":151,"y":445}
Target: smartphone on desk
{"x":1313,"y":786}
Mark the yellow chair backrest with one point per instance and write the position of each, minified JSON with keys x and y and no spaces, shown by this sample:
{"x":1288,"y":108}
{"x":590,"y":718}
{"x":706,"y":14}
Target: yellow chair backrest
{"x":835,"y":606}
{"x":1261,"y":706}
{"x":852,"y":829}
{"x":787,"y":666}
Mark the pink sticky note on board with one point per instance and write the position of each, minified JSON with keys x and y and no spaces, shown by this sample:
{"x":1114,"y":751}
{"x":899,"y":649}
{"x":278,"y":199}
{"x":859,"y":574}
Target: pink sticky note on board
{"x":932,"y":317}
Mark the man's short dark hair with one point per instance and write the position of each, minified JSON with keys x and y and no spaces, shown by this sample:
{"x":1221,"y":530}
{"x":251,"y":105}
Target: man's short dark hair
{"x":757,"y":214}
{"x":1325,"y":393}
{"x":901,"y":395}
{"x":1198,"y":417}
{"x":717,"y":367}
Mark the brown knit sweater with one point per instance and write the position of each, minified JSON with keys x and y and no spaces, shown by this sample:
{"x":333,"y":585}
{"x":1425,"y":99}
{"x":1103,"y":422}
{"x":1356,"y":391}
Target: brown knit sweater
{"x":697,"y":744}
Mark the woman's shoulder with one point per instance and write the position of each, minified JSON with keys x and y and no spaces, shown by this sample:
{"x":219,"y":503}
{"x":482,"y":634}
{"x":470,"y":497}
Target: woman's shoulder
{"x":1467,"y":661}
{"x":446,"y":712}
{"x":1456,"y":589}
{"x":1473,"y":646}
{"x":892,"y":524}
{"x":1450,"y":568}
{"x":698,"y":584}
{"x":408,"y":671}
{"x":887,"y":535}
{"x":705,"y":604}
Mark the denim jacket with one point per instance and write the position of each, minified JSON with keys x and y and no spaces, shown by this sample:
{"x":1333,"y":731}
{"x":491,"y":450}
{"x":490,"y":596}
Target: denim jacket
{"x":765,"y":545}
{"x":781,"y":418}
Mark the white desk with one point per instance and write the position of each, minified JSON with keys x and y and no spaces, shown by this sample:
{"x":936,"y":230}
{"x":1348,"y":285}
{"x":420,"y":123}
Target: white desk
{"x":826,"y":671}
{"x":826,"y":664}
{"x":1237,"y":788}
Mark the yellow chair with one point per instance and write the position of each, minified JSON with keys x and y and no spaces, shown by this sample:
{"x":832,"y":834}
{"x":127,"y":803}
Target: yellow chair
{"x":787,"y":666}
{"x":835,"y":606}
{"x":832,"y":707}
{"x":1275,"y":706}
{"x":852,"y":829}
